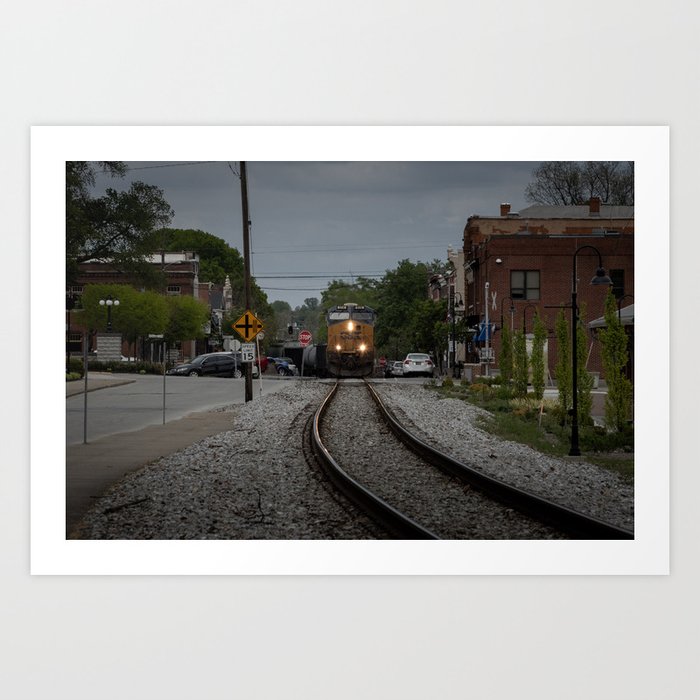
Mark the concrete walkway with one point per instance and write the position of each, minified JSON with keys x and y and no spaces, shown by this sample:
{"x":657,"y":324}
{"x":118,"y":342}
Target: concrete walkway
{"x":92,"y":468}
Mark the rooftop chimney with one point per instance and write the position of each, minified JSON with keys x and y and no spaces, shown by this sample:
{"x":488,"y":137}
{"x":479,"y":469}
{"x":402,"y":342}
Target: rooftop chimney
{"x":594,"y":206}
{"x":505,"y":209}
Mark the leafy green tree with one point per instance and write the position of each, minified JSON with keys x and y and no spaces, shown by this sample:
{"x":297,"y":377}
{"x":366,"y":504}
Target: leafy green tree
{"x":537,"y":357}
{"x":216,"y":258}
{"x":520,"y":364}
{"x":119,"y":227}
{"x":143,"y":313}
{"x":563,"y":371}
{"x":398,"y":294}
{"x":429,"y":328}
{"x":614,"y":340}
{"x":137,"y":315}
{"x":505,"y":361}
{"x":187,"y":318}
{"x":94,"y":317}
{"x":584,"y":382}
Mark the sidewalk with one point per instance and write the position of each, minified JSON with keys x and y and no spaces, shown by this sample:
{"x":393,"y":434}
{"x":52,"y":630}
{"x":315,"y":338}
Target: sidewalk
{"x":91,"y":468}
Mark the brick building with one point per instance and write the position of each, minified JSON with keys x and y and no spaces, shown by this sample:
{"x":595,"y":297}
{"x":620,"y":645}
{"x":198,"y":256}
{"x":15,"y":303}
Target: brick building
{"x":521,"y":263}
{"x":181,"y":271}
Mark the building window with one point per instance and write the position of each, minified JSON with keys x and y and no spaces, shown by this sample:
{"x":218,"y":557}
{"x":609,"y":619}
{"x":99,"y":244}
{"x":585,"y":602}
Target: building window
{"x":525,"y":284}
{"x":618,"y":283}
{"x":174,"y":290}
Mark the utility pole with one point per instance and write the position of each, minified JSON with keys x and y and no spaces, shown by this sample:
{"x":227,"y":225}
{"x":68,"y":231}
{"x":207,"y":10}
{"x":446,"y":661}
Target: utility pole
{"x":246,"y":263}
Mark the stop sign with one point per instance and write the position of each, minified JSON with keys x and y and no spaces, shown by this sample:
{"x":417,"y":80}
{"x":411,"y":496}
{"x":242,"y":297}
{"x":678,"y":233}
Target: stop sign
{"x":305,"y":338}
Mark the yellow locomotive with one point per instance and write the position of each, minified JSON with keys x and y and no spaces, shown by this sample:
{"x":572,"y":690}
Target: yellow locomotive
{"x":350,"y":351}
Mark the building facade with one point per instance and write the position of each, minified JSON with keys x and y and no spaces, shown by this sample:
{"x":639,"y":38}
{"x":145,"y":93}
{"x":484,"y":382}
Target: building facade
{"x":181,"y":278}
{"x":520,"y":264}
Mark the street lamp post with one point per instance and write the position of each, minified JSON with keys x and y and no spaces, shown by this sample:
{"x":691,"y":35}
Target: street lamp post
{"x":600,"y":278}
{"x":512,"y":311}
{"x":619,"y":306}
{"x":486,"y":324}
{"x":109,"y":302}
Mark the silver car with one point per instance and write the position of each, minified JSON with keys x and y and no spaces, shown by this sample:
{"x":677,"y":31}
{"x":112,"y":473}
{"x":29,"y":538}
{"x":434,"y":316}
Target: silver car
{"x":418,"y":363}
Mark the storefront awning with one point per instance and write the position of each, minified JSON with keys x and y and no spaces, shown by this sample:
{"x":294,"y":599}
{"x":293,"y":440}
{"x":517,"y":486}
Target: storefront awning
{"x":482,"y":334}
{"x":626,"y":317}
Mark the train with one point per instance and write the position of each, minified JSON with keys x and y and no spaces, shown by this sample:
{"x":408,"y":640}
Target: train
{"x":350,"y":350}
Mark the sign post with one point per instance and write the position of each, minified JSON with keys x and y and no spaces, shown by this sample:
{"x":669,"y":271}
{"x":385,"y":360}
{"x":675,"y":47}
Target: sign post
{"x":305,"y":339}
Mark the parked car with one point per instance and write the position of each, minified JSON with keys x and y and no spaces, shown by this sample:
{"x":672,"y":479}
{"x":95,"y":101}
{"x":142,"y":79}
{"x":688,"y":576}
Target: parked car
{"x":213,"y":364}
{"x":394,"y":369}
{"x":418,"y":363}
{"x":284,"y":366}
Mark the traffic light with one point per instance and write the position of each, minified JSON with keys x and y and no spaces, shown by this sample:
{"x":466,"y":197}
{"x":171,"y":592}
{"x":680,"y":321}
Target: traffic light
{"x":290,"y":329}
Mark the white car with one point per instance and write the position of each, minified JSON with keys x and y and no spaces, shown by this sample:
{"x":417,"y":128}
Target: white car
{"x":418,"y":363}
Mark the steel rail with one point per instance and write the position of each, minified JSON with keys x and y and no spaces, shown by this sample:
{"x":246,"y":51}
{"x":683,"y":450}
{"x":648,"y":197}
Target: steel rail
{"x":396,"y":522}
{"x":577,"y":524}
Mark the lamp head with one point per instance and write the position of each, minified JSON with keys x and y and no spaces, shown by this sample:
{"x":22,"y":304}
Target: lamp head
{"x":601,"y":278}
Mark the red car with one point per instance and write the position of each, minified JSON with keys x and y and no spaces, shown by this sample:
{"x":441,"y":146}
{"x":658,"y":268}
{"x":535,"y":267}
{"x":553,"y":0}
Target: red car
{"x":262,"y":363}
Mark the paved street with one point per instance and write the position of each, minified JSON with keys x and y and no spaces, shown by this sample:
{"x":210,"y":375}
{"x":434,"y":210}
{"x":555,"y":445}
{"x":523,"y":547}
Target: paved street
{"x":139,"y":403}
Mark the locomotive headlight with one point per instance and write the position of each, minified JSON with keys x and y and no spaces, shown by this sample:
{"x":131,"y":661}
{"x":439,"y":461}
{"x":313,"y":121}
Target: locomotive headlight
{"x":363,"y":347}
{"x":351,"y":325}
{"x":337,"y":347}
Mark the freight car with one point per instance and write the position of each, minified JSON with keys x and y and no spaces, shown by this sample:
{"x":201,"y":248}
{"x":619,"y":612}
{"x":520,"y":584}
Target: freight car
{"x":350,"y":351}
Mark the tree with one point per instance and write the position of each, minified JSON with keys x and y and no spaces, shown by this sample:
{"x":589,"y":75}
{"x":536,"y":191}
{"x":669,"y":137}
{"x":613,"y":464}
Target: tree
{"x":138,"y":314}
{"x":216,"y":258}
{"x":618,"y":401}
{"x":429,"y":328}
{"x":505,"y":361}
{"x":567,"y":183}
{"x":584,"y":380}
{"x":398,"y":294}
{"x":520,"y":364}
{"x":118,"y":227}
{"x":187,"y":318}
{"x":563,"y":371}
{"x":537,"y":357}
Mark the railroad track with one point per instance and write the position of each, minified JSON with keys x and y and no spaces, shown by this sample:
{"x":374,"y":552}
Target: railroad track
{"x":460,"y":503}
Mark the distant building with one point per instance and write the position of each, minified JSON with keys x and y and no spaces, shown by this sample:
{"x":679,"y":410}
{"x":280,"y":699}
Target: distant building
{"x":181,"y":271}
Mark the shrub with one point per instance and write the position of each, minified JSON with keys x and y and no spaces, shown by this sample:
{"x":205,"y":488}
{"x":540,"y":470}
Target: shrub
{"x":75,"y":366}
{"x":138,"y":367}
{"x":447,"y":383}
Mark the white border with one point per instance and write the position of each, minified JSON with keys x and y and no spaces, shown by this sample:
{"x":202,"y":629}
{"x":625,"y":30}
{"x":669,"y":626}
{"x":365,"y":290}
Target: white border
{"x":51,"y":553}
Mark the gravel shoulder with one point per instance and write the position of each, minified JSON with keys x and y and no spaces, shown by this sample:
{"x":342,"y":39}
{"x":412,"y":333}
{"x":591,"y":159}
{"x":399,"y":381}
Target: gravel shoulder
{"x":452,"y":426}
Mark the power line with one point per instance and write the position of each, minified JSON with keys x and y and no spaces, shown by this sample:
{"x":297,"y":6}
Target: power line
{"x":173,"y":165}
{"x":303,"y":249}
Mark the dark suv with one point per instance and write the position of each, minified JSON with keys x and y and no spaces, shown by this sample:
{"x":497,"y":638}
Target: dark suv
{"x":213,"y":364}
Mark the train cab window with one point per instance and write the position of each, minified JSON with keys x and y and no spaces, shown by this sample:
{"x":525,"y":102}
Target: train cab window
{"x":334,"y":316}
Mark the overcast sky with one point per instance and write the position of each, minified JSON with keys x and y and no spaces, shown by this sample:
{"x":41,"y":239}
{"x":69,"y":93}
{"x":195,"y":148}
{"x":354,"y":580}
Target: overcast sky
{"x":334,"y":220}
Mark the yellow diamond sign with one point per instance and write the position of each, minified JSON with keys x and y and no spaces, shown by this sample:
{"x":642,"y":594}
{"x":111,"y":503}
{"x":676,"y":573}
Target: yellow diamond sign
{"x":248,"y":326}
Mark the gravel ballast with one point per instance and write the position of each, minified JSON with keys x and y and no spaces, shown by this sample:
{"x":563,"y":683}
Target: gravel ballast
{"x":254,"y":482}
